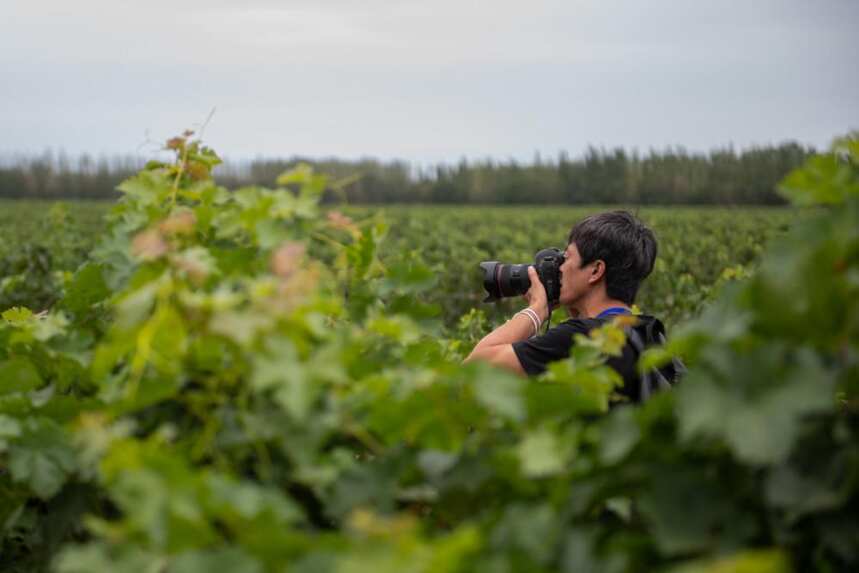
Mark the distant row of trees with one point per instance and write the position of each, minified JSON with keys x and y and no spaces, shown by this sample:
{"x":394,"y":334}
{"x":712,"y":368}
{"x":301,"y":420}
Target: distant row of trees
{"x":673,"y":176}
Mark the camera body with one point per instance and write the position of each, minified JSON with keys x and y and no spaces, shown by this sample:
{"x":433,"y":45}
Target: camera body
{"x":505,"y":280}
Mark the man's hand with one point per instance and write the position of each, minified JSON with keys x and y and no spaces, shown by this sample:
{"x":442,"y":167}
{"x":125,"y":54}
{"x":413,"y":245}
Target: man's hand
{"x":536,"y":295}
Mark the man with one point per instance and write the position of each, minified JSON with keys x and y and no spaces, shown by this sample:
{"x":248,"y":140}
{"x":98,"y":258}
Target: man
{"x":607,"y":257}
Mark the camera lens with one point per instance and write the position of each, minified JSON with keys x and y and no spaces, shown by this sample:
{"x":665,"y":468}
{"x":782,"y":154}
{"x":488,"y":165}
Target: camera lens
{"x":504,"y":280}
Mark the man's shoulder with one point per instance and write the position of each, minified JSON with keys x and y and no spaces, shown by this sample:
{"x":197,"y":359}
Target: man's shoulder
{"x":564,"y":332}
{"x":583,"y":325}
{"x":579,"y":324}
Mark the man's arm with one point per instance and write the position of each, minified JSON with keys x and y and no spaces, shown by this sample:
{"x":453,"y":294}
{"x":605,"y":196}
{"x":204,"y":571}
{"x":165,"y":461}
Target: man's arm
{"x":497,"y":346}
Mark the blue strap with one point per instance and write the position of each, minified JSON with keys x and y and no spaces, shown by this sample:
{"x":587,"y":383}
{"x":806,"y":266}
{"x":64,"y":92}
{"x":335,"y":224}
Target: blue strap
{"x":613,"y":311}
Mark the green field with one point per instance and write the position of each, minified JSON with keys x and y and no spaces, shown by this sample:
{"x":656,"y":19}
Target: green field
{"x":198,"y":380}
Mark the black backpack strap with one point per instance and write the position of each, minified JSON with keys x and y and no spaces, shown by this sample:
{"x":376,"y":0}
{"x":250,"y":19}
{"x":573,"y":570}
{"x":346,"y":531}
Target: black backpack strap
{"x":655,"y":379}
{"x":645,"y":384}
{"x":678,"y":368}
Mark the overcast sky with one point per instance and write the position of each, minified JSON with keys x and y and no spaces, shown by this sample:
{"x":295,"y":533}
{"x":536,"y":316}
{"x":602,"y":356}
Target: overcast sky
{"x":426,"y":80}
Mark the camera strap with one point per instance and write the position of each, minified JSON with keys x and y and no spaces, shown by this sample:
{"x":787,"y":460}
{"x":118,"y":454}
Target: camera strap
{"x":613,"y":311}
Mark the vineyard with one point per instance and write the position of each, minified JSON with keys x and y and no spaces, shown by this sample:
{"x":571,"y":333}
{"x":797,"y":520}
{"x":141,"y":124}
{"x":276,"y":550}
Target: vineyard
{"x":699,"y":249}
{"x":203,"y":379}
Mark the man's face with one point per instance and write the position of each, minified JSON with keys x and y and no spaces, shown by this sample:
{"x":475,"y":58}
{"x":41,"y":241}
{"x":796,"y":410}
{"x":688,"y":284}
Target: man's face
{"x":574,"y":280}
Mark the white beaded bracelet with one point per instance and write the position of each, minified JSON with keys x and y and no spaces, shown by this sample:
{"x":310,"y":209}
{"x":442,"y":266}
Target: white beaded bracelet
{"x":537,"y":318}
{"x":532,"y":316}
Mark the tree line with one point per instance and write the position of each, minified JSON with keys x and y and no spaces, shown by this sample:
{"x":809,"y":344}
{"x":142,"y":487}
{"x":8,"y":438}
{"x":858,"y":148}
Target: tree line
{"x":672,"y":176}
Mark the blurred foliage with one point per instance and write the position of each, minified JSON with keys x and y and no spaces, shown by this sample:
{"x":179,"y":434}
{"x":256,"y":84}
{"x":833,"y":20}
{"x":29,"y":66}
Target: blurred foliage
{"x":237,"y":381}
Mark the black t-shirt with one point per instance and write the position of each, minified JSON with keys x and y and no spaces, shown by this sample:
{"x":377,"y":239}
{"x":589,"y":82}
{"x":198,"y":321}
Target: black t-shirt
{"x":536,"y":353}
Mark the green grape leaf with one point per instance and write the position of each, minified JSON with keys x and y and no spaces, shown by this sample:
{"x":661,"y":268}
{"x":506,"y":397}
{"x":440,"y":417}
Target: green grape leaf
{"x":18,"y":375}
{"x":42,"y":457}
{"x":226,"y":560}
{"x":542,"y":453}
{"x":87,"y":288}
{"x":500,"y":392}
{"x":9,"y":428}
{"x":620,"y":434}
{"x":17,"y":315}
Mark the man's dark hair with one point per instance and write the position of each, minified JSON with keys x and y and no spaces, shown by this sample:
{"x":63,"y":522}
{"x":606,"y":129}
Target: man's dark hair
{"x":624,"y":243}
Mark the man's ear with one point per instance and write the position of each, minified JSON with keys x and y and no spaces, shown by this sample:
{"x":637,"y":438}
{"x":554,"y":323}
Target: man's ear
{"x":597,"y":271}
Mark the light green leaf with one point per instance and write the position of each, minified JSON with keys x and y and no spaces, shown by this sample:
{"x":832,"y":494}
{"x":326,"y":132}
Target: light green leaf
{"x":500,"y":393}
{"x":620,"y":433}
{"x":753,"y":561}
{"x":542,"y":453}
{"x":17,"y":315}
{"x":9,"y":428}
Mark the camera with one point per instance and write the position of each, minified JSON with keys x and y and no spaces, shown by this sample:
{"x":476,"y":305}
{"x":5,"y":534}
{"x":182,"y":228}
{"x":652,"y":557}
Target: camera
{"x":504,"y":280}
